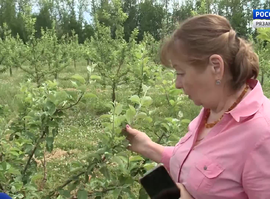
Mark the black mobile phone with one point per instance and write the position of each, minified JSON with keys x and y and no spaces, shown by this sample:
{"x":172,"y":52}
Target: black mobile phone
{"x":159,"y":185}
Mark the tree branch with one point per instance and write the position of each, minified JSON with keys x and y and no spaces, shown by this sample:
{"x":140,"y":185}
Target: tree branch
{"x":34,"y":150}
{"x":25,"y":70}
{"x":71,"y":179}
{"x":78,"y":100}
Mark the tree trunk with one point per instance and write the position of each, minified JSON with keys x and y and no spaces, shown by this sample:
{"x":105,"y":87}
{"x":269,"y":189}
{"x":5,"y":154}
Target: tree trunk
{"x":10,"y":71}
{"x":88,"y":78}
{"x":113,"y":91}
{"x":74,"y":63}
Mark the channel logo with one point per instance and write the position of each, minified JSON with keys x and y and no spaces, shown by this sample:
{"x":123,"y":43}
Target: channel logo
{"x":261,"y":18}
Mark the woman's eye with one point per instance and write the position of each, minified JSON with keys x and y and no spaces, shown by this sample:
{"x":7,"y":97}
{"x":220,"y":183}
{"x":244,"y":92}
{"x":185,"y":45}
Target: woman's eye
{"x":180,"y":74}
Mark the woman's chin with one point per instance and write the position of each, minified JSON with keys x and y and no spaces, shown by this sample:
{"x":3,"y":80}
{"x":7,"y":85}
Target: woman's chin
{"x":197,"y":103}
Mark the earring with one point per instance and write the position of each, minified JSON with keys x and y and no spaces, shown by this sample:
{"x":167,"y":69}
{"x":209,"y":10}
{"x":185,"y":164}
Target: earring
{"x":218,"y":82}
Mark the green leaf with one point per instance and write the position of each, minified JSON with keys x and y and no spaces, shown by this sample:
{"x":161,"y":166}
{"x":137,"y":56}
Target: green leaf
{"x":175,"y":92}
{"x":118,"y":109}
{"x":37,"y":176}
{"x":14,"y":171}
{"x":2,"y":177}
{"x":105,"y":117}
{"x":174,"y":138}
{"x":104,"y":170}
{"x":89,"y":96}
{"x":72,"y":187}
{"x":15,"y":153}
{"x":93,"y":155}
{"x":166,"y":126}
{"x":50,"y":107}
{"x":172,"y":102}
{"x":130,"y":115}
{"x":49,"y":143}
{"x":145,"y":88}
{"x":18,"y":185}
{"x":118,"y":120}
{"x":132,"y":108}
{"x":60,"y":96}
{"x":138,"y":55}
{"x":82,"y":88}
{"x":116,"y":193}
{"x":6,"y":166}
{"x":135,"y":158}
{"x":104,"y":137}
{"x":149,"y":166}
{"x":13,"y":189}
{"x":74,"y":84}
{"x":141,"y":115}
{"x":82,"y":194}
{"x":55,"y":132}
{"x":119,"y":159}
{"x":65,"y":193}
{"x":135,"y":99}
{"x":143,"y":194}
{"x":95,"y":77}
{"x":130,"y":193}
{"x":109,"y":105}
{"x":148,"y":119}
{"x":78,"y":78}
{"x":146,"y":101}
{"x":52,"y":123}
{"x":185,"y":121}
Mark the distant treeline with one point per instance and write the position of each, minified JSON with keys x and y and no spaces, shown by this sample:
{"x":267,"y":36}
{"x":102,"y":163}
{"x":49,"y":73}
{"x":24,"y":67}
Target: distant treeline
{"x":158,"y":17}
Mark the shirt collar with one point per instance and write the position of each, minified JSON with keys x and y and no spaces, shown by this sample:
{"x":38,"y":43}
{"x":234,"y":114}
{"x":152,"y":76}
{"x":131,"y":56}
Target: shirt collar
{"x":251,"y":103}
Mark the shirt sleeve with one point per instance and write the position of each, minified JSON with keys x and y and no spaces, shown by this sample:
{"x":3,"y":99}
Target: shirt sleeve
{"x":256,"y":174}
{"x":166,"y":156}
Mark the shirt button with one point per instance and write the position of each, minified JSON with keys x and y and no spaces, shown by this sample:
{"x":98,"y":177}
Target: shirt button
{"x":205,"y":167}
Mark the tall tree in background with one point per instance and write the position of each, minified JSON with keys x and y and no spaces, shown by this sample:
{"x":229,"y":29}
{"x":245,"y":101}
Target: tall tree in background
{"x":157,"y":17}
{"x":44,"y":19}
{"x":8,"y":15}
{"x":150,"y":18}
{"x":130,"y":7}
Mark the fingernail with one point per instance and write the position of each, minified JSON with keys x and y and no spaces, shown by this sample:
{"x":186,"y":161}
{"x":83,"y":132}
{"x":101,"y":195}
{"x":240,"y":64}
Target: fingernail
{"x":127,"y":126}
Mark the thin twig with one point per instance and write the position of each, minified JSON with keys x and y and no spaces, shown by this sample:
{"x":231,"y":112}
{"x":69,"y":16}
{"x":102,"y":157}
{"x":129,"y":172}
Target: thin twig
{"x":66,"y":183}
{"x":98,"y":192}
{"x":160,"y":138}
{"x":78,"y":100}
{"x":44,"y":167}
{"x":34,"y":150}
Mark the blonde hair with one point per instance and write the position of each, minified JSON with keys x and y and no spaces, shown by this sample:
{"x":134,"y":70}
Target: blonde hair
{"x":201,"y":36}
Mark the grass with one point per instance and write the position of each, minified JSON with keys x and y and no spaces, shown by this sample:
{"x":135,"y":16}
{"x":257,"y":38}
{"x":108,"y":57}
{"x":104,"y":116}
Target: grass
{"x":79,"y":134}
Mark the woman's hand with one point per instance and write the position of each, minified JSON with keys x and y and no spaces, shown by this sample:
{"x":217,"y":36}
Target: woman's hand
{"x":142,"y":144}
{"x":138,"y":140}
{"x":184,"y":192}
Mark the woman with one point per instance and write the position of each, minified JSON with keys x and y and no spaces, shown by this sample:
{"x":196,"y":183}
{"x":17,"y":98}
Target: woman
{"x":225,"y":153}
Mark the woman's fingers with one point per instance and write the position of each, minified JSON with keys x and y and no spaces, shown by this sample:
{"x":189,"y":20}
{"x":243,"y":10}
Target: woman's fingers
{"x":131,"y":131}
{"x":184,"y":192}
{"x":180,"y":186}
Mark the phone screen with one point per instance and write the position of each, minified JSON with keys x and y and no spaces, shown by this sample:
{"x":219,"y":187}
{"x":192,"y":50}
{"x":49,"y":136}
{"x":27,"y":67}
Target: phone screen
{"x":159,"y":185}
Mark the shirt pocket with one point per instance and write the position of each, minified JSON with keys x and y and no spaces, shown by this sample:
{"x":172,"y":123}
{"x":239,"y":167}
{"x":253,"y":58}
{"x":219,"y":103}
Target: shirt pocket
{"x":204,"y":174}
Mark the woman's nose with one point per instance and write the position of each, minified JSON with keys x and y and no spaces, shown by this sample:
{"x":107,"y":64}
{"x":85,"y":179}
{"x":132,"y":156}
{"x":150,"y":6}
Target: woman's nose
{"x":178,"y":83}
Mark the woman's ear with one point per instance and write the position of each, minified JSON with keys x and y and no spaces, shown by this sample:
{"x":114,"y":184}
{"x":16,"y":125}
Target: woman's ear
{"x":217,"y":66}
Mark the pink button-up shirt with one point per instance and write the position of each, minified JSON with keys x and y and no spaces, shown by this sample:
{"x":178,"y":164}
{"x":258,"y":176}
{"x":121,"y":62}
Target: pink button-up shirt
{"x":233,"y":160}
